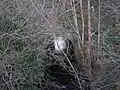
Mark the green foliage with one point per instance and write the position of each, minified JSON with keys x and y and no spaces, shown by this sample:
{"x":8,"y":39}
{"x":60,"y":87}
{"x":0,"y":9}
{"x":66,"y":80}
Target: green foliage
{"x":18,"y":45}
{"x":9,"y":25}
{"x":6,"y":25}
{"x":3,"y":44}
{"x":32,"y":66}
{"x":111,"y":37}
{"x":30,"y":62}
{"x":27,"y":63}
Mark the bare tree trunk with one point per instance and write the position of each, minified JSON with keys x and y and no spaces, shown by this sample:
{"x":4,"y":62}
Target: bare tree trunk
{"x":88,"y":61}
{"x":82,"y":18}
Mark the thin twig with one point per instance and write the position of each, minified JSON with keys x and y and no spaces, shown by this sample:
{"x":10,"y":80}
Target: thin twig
{"x":98,"y":29}
{"x":71,"y":66}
